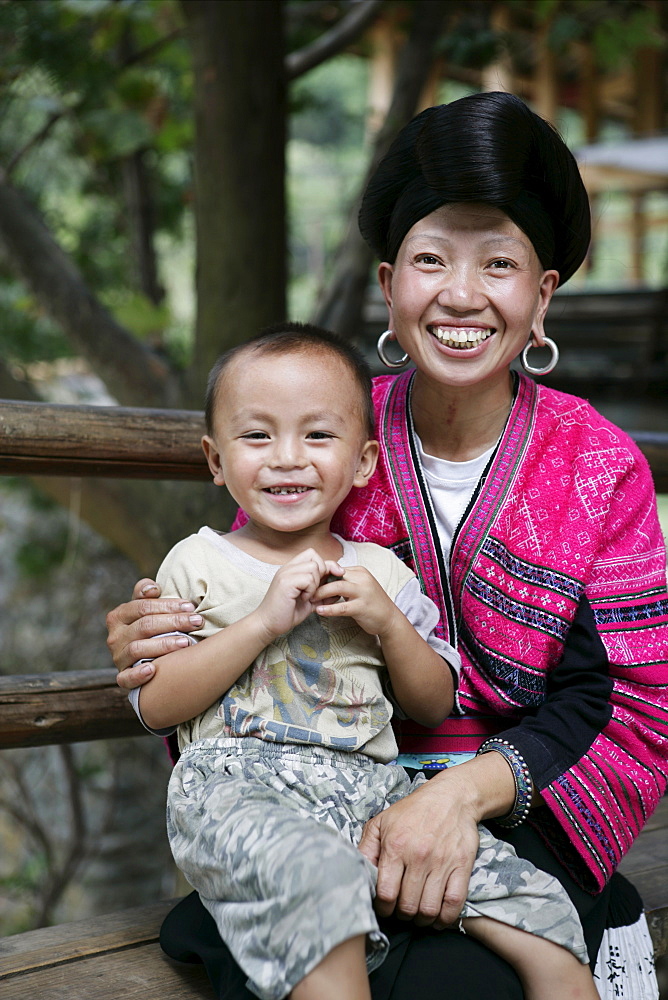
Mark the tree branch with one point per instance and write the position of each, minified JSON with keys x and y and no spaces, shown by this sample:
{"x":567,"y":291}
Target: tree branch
{"x":150,"y":50}
{"x":61,"y":874}
{"x":333,"y":41}
{"x":130,"y":370}
{"x":54,"y":117}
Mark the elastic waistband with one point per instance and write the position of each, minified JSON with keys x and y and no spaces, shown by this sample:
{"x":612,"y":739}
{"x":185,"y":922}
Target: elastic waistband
{"x":250,"y":746}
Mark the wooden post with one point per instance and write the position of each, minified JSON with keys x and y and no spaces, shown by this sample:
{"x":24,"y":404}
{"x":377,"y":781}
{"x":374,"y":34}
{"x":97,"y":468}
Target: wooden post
{"x":382,"y":71}
{"x":638,"y":234}
{"x":499,"y":75}
{"x":545,"y":96}
{"x":590,"y":110}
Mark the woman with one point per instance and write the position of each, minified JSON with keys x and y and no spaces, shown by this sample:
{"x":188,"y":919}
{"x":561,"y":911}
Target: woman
{"x":531,"y":521}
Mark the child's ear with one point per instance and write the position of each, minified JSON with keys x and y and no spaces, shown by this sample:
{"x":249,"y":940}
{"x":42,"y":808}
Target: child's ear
{"x":367,"y":463}
{"x":213,"y":458}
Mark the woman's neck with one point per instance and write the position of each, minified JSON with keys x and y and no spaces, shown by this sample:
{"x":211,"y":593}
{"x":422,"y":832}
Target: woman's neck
{"x":459,"y":423}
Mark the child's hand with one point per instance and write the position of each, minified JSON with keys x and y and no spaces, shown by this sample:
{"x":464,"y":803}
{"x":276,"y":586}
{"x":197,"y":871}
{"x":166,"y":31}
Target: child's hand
{"x":288,"y":600}
{"x":362,"y":598}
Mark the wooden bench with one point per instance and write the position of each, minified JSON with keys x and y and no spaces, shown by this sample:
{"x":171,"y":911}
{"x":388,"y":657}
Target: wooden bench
{"x":107,"y":958}
{"x":118,"y":955}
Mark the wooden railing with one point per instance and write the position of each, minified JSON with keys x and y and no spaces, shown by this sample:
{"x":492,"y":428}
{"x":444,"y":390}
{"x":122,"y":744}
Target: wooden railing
{"x":66,"y":707}
{"x":127,"y":443}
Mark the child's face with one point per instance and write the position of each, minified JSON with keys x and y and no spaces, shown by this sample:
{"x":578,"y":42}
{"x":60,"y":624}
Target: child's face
{"x":289,"y":441}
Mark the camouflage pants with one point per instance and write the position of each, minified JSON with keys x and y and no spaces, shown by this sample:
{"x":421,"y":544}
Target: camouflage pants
{"x":266,"y":833}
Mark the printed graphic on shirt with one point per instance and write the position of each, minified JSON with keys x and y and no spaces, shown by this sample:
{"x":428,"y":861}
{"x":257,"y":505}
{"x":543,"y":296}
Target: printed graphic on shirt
{"x":301,"y":689}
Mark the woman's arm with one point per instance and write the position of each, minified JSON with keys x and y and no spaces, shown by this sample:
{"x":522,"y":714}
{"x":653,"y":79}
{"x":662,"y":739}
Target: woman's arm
{"x":598,"y":745}
{"x":586,"y":723}
{"x":576,"y":708}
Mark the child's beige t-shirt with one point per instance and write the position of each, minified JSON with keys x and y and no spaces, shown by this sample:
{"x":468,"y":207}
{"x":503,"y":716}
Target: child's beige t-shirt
{"x":324,"y":682}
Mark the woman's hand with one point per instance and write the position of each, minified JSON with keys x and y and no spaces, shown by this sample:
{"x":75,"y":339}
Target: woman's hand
{"x":134,"y":629}
{"x":424,"y":846}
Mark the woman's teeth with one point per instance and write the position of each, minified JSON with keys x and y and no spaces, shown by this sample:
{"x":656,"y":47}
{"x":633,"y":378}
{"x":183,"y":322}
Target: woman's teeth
{"x":280,"y":490}
{"x":460,"y":338}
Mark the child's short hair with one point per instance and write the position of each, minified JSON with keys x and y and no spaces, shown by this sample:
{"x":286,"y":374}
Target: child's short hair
{"x":288,"y":337}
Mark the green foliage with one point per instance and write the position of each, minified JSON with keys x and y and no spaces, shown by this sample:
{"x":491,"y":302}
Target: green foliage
{"x":41,"y":552}
{"x":37,"y":500}
{"x":95,"y":99}
{"x":327,"y":105}
{"x":26,"y":334}
{"x":565,"y":29}
{"x":137,"y":313}
{"x":326,"y":161}
{"x":470,"y":41}
{"x":616,"y":39}
{"x":29,"y":876}
{"x":113,"y":133}
{"x":617,"y":28}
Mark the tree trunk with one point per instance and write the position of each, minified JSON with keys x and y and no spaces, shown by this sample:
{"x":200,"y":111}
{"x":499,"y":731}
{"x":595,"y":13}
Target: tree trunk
{"x":240,"y":112}
{"x":130,"y":371}
{"x":141,"y":212}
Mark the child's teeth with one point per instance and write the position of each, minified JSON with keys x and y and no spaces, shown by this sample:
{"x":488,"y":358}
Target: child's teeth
{"x":288,"y":489}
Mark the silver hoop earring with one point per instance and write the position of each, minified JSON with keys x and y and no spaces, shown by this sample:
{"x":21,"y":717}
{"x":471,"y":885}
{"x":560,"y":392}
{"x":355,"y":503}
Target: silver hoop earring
{"x":552,"y":363}
{"x":380,"y":347}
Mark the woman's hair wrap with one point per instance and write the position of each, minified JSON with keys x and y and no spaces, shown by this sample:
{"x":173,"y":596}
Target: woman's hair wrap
{"x":488,"y":148}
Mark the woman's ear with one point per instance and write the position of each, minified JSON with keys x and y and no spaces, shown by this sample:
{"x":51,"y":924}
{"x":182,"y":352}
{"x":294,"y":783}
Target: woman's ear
{"x":367,"y":463}
{"x":213,"y":458}
{"x":548,"y":284}
{"x":385,"y":274}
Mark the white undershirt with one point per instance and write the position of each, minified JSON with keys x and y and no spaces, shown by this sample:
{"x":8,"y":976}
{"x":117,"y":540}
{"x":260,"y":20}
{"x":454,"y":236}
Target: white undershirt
{"x":451,"y":486}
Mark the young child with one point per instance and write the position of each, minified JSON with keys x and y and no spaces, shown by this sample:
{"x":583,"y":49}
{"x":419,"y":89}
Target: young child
{"x":284,"y":712}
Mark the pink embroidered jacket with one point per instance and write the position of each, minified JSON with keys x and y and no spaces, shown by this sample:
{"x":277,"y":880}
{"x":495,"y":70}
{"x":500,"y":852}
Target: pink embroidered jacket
{"x":556,"y":598}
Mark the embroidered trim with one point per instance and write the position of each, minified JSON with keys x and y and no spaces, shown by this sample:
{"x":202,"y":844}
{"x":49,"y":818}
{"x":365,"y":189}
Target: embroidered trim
{"x":529,"y":572}
{"x":525,"y":614}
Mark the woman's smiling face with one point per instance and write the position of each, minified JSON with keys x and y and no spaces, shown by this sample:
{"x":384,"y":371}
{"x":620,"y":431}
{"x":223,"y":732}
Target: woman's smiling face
{"x":465,"y":293}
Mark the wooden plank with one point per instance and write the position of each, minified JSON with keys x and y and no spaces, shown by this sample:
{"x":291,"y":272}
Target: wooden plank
{"x":52,"y":945}
{"x":103,"y":958}
{"x":120,"y":442}
{"x":144,"y":973}
{"x":67,"y":707}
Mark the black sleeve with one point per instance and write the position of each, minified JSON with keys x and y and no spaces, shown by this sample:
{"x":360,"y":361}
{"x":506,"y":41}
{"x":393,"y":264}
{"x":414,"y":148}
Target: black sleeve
{"x":577,"y":706}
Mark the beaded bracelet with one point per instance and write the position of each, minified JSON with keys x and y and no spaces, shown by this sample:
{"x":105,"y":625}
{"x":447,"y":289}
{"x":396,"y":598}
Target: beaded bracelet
{"x":522,"y":776}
